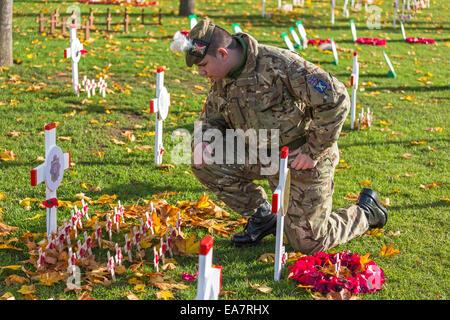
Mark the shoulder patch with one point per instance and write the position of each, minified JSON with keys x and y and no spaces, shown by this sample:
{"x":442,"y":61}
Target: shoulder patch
{"x":321,"y":86}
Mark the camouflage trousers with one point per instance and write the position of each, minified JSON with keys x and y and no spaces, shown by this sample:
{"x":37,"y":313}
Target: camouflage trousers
{"x":310,"y":224}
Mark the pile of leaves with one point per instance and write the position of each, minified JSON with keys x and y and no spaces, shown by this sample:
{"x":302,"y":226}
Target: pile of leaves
{"x":94,"y":267}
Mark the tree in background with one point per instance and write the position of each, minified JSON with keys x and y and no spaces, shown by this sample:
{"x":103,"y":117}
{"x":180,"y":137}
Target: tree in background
{"x":6,"y":42}
{"x":187,"y":7}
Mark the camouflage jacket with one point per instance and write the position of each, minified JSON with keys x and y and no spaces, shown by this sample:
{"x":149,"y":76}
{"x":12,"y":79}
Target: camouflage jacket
{"x":278,"y":89}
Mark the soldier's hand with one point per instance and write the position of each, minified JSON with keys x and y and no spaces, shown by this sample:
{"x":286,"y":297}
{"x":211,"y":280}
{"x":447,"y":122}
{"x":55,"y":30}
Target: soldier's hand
{"x":202,"y":154}
{"x":301,"y":161}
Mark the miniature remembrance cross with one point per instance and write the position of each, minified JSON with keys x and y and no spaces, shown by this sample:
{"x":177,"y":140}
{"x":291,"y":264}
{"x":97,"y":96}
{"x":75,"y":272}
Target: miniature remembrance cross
{"x":160,"y":107}
{"x":75,"y":52}
{"x":51,"y":172}
{"x":280,"y":204}
{"x":209,"y":276}
{"x":354,"y":83}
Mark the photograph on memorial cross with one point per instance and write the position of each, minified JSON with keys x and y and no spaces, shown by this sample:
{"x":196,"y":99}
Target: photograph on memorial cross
{"x":128,"y":216}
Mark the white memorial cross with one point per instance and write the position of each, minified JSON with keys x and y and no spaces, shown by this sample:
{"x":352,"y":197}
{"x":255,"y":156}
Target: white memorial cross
{"x":209,"y":281}
{"x":403,"y":31}
{"x":354,"y":78}
{"x":302,"y":32}
{"x":75,"y":51}
{"x":280,"y":204}
{"x":51,"y":172}
{"x":353,"y":28}
{"x":236,"y":27}
{"x":192,"y":20}
{"x":288,"y":41}
{"x":391,"y":73}
{"x":345,"y":12}
{"x":334,"y":50}
{"x":160,"y":107}
{"x":395,"y":13}
{"x":295,"y":37}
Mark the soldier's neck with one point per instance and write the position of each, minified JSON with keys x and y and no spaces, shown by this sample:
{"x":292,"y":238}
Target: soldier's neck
{"x":239,"y":58}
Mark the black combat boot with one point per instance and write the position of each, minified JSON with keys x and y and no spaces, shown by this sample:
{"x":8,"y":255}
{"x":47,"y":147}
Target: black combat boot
{"x":260,"y":224}
{"x":376,"y":214}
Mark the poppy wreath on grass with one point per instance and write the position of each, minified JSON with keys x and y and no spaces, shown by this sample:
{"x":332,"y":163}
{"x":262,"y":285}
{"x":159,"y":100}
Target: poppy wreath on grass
{"x":356,"y":274}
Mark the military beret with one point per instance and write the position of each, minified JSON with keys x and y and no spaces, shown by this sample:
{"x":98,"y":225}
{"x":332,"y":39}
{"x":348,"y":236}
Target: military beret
{"x":200,"y":36}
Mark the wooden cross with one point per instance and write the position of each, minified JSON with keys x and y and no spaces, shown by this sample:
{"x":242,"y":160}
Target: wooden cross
{"x":53,"y":21}
{"x":126,"y":22}
{"x":86,"y":28}
{"x":41,"y":21}
{"x":51,"y":172}
{"x":108,"y":20}
{"x":160,"y":107}
{"x":91,"y":18}
{"x":280,"y":203}
{"x":56,"y":14}
{"x":209,"y":276}
{"x":74,"y":52}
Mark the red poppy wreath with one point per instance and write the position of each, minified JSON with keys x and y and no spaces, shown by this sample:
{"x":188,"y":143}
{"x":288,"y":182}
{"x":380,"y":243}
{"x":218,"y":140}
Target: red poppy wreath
{"x":326,"y":272}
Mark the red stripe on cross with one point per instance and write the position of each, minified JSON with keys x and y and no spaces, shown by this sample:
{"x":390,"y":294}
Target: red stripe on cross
{"x":206,"y":244}
{"x":275,"y":199}
{"x":50,"y":126}
{"x":34,"y":177}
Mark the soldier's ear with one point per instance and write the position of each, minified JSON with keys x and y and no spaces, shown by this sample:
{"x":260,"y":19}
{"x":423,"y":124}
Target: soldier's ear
{"x":222,"y":53}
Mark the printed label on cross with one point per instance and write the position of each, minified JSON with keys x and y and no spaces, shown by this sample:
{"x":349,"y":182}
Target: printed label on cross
{"x":209,"y":276}
{"x":280,"y":204}
{"x":75,"y":52}
{"x":160,"y":107}
{"x":51,"y":172}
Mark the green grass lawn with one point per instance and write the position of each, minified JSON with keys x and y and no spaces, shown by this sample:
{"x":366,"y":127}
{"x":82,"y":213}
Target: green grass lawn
{"x":404,"y":156}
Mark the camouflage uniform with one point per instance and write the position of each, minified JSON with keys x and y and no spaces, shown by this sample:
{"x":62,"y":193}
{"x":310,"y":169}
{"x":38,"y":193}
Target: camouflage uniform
{"x":278,"y":89}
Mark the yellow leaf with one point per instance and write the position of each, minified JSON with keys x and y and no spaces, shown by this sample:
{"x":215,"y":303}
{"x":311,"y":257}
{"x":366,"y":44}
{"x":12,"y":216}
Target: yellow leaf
{"x":8,"y":246}
{"x":98,"y":153}
{"x":84,"y":186}
{"x":261,"y":288}
{"x":105,"y":199}
{"x":384,"y":123}
{"x":365,"y":183}
{"x":364,"y":260}
{"x":267,"y":257}
{"x":8,"y":155}
{"x":12,"y":267}
{"x":37,"y":216}
{"x":7,"y":296}
{"x":139,"y":287}
{"x":164,"y":295}
{"x":377,"y":232}
{"x":115,"y":141}
{"x":187,"y":246}
{"x":27,"y":289}
{"x":388,"y":251}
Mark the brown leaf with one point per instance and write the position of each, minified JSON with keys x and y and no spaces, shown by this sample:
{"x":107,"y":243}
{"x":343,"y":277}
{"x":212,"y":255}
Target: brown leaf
{"x":14,"y":278}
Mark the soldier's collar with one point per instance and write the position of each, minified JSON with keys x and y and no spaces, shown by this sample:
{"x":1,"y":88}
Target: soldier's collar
{"x":236,"y":71}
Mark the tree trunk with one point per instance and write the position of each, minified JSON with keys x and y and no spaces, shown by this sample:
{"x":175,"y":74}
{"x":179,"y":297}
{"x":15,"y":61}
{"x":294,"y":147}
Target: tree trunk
{"x":6,"y":42}
{"x":187,"y":7}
